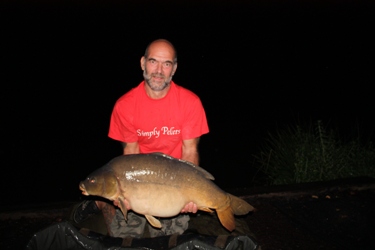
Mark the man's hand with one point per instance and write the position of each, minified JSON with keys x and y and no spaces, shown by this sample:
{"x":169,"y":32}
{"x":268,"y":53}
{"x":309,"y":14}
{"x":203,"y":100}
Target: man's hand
{"x":190,"y":208}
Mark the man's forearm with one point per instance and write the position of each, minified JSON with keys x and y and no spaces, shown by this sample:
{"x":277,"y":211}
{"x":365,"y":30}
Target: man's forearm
{"x":130,"y":148}
{"x":192,"y":157}
{"x":190,"y":151}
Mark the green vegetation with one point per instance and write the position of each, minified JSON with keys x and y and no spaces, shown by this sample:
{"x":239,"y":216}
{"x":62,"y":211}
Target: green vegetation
{"x":307,"y":154}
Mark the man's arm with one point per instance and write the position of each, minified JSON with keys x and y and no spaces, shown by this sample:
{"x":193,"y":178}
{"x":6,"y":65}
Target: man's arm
{"x":190,"y":153}
{"x":190,"y":150}
{"x":130,"y":148}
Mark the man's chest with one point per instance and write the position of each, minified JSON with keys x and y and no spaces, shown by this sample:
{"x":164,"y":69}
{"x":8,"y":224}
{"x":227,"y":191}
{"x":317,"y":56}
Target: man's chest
{"x":158,"y":121}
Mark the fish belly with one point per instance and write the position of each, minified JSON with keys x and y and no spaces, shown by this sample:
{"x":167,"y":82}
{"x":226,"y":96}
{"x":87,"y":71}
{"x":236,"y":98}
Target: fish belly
{"x":157,"y":201}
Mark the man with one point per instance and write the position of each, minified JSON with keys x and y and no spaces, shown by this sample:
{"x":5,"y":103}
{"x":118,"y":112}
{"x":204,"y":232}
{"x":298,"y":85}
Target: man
{"x":155,"y":116}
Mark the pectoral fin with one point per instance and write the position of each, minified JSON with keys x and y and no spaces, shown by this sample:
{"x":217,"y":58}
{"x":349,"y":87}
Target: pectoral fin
{"x":153,"y":221}
{"x":123,"y":208}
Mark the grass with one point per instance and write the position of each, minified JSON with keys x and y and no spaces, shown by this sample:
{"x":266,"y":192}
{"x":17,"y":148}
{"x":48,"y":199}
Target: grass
{"x":302,"y":154}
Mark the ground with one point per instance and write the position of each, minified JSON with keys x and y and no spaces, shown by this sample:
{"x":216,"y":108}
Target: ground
{"x":336,"y":215}
{"x":329,"y":220}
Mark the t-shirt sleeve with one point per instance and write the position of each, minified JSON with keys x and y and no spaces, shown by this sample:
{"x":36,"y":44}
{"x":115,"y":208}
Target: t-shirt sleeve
{"x":121,"y":126}
{"x":195,"y":122}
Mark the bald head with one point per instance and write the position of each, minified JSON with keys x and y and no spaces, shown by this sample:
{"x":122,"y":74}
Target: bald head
{"x":162,"y":44}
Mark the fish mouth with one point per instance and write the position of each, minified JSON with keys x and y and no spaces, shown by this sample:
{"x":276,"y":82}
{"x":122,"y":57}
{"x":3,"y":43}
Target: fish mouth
{"x":83,"y":189}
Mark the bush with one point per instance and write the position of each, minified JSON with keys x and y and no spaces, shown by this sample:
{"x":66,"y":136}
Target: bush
{"x":298,"y":155}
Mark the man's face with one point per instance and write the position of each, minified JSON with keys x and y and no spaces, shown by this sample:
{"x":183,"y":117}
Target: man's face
{"x":158,"y":67}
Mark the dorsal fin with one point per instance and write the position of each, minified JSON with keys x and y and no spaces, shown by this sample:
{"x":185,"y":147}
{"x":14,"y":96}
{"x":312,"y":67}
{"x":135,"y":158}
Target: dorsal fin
{"x":205,"y":173}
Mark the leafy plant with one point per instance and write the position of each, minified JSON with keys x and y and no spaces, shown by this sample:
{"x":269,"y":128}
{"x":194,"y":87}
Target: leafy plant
{"x":306,"y":154}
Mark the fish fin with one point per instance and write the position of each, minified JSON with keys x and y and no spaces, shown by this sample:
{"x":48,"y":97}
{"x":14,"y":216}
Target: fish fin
{"x":123,"y":208}
{"x":161,"y":154}
{"x":226,"y":218}
{"x":239,"y":206}
{"x":205,"y":173}
{"x":206,"y":209}
{"x":153,"y":221}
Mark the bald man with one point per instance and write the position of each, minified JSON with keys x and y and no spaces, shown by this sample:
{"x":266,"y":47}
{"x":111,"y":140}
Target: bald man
{"x":155,"y":116}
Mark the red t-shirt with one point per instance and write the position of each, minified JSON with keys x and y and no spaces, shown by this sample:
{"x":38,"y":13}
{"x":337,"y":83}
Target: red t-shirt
{"x":158,"y":125}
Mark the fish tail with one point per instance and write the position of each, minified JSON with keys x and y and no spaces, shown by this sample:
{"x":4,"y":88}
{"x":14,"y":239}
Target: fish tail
{"x":239,"y":206}
{"x":226,"y":218}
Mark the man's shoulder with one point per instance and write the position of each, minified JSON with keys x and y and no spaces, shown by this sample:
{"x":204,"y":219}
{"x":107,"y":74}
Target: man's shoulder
{"x":131,"y":94}
{"x":186,"y":93}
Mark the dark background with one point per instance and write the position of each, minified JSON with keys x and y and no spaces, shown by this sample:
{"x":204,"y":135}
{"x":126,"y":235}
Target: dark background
{"x":258,"y":66}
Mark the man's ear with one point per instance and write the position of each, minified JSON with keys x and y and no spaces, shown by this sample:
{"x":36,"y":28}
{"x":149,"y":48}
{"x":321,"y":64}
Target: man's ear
{"x":174,"y":68}
{"x":143,"y":60}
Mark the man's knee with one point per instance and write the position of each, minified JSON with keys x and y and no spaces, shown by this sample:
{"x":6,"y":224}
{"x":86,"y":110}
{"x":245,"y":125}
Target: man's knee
{"x":133,"y":226}
{"x":176,"y":225}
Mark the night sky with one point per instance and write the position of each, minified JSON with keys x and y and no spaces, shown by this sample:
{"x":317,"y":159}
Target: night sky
{"x":258,"y":66}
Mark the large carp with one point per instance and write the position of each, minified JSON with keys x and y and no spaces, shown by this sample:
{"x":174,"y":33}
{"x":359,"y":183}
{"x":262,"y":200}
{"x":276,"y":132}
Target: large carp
{"x":159,"y":185}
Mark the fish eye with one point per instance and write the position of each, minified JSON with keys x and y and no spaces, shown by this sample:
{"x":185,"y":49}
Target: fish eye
{"x":92,"y":180}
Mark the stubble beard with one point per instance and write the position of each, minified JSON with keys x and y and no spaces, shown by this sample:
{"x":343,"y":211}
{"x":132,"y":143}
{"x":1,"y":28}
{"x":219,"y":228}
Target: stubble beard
{"x":155,"y":86}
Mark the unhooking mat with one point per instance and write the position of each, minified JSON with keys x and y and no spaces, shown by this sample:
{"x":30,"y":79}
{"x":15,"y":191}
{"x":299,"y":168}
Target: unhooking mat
{"x":66,"y":236}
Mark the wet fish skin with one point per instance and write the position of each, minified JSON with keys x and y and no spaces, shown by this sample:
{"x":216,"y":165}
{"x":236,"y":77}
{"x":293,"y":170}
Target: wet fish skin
{"x":159,"y":185}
